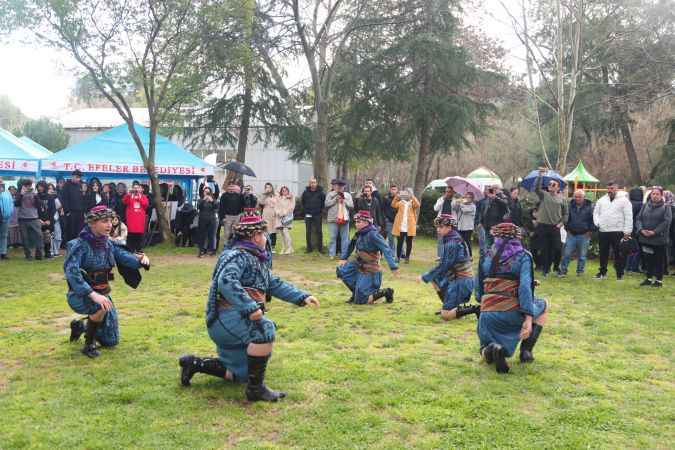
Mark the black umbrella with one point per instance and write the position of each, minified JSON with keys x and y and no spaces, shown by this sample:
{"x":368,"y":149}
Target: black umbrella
{"x":237,"y":167}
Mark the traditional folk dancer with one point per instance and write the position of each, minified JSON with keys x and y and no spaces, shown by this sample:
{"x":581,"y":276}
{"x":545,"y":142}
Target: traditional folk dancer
{"x":363,"y":276}
{"x":509,"y":311}
{"x":235,"y":309}
{"x":452,"y":277}
{"x":87,"y":266}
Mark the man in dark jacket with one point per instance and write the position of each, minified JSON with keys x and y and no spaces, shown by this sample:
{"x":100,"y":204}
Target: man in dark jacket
{"x":515,"y":208}
{"x":367,"y":202}
{"x":579,"y":226}
{"x":231,"y":206}
{"x":73,"y":203}
{"x":493,"y":210}
{"x":312,"y":200}
{"x":250,"y":201}
{"x":390,"y":214}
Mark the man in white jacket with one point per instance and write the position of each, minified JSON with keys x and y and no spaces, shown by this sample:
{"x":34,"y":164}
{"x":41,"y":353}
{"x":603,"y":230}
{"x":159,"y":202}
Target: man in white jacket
{"x":613,"y":215}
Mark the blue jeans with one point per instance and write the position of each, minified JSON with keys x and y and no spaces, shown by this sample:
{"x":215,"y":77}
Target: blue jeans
{"x":580,"y":244}
{"x":4,"y":231}
{"x":389,"y":226}
{"x":333,"y":230}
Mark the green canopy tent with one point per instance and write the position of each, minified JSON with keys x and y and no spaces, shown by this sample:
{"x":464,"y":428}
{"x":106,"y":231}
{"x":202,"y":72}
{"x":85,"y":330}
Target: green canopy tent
{"x":580,"y":178}
{"x":485,"y":177}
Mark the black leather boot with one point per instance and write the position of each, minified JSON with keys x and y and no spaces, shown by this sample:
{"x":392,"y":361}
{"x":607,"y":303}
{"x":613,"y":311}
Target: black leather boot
{"x":256,"y":389}
{"x":190,"y":365}
{"x":89,"y":348}
{"x":76,"y":329}
{"x":387,"y":293}
{"x":495,"y":352}
{"x":527,"y":345}
{"x":464,"y":310}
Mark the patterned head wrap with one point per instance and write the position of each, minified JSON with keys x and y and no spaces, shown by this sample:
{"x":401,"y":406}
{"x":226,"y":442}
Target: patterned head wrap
{"x":445,"y":220}
{"x":507,"y":230}
{"x":99,"y":212}
{"x":363,"y":216}
{"x":249,"y":223}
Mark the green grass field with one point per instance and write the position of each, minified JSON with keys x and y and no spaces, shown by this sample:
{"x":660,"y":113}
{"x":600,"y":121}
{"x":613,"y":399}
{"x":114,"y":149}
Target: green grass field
{"x":388,"y":376}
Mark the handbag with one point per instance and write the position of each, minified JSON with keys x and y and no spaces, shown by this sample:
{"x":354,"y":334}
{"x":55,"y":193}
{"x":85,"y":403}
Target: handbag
{"x":287,"y":220}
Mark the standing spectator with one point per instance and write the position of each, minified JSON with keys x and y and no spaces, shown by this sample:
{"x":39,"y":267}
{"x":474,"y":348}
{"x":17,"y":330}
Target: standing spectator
{"x":552,"y":213}
{"x":250,"y":201}
{"x":613,"y":215}
{"x":29,"y":222}
{"x":136,"y":205}
{"x":213,"y":187}
{"x":46,"y":212}
{"x":185,"y":216}
{"x":93,"y":197}
{"x":207,"y":208}
{"x":13,"y":234}
{"x":444,"y":203}
{"x":579,"y":226}
{"x":669,"y":198}
{"x":230,"y":208}
{"x":494,"y":207}
{"x":653,"y":226}
{"x":367,"y":202}
{"x":177,"y":195}
{"x":118,"y":232}
{"x":635,"y":196}
{"x":283,"y":214}
{"x":389,"y":213}
{"x":373,"y":190}
{"x":515,"y":208}
{"x":121,"y":208}
{"x":312,"y":201}
{"x":405,"y":223}
{"x":57,"y":236}
{"x":266,"y":203}
{"x":6,"y":210}
{"x":72,"y":200}
{"x":60,"y":183}
{"x":464,"y":210}
{"x":338,"y":203}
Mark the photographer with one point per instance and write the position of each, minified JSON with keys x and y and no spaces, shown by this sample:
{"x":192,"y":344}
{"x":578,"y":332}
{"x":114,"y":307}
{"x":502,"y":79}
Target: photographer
{"x":29,"y":223}
{"x":552,"y":214}
{"x":338,"y":203}
{"x":136,"y":205}
{"x":207,"y":208}
{"x":368,"y":202}
{"x":46,"y":212}
{"x":493,"y":210}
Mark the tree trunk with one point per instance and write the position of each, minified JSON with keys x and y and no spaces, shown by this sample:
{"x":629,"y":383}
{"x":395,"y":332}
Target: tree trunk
{"x":242,"y":140}
{"x":320,"y":156}
{"x":636,"y":176}
{"x":423,"y":162}
{"x":162,"y":212}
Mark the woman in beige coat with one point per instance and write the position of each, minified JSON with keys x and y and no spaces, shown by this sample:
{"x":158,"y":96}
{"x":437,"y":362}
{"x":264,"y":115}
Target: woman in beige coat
{"x":405,"y":222}
{"x":283,"y":210}
{"x":266,"y":204}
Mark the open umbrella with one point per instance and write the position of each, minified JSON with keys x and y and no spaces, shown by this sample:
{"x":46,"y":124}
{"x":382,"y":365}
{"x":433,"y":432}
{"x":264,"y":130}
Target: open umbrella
{"x":463,"y":185}
{"x":237,"y":167}
{"x":529,"y":181}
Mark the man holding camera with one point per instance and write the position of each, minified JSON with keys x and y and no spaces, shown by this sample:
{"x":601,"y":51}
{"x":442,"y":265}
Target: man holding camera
{"x":494,"y":208}
{"x":338,"y":203}
{"x":72,"y":200}
{"x":29,"y":222}
{"x":552,"y":213}
{"x":136,"y":203}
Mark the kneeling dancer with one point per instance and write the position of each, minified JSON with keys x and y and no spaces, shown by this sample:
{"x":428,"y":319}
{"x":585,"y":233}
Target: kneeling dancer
{"x":363,"y":276}
{"x":509,"y":311}
{"x":452,"y":277}
{"x":87,"y":266}
{"x":235,"y":309}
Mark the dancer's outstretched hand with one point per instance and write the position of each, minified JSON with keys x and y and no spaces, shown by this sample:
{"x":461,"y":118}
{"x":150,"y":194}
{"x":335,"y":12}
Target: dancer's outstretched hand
{"x":312,"y":301}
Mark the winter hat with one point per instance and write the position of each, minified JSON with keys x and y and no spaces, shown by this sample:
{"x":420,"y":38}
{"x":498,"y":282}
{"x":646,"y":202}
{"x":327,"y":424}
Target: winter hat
{"x":506,"y":230}
{"x":99,"y":212}
{"x":445,"y":220}
{"x":249,"y":223}
{"x":363,"y":216}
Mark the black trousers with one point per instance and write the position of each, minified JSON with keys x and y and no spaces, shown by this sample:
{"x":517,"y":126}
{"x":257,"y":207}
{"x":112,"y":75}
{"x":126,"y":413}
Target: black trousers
{"x":655,"y":257}
{"x":135,"y":241}
{"x":313,"y":229}
{"x":408,"y":244}
{"x":611,"y":239}
{"x":74,"y":224}
{"x":273,"y":240}
{"x":466,"y":235}
{"x":549,"y":241}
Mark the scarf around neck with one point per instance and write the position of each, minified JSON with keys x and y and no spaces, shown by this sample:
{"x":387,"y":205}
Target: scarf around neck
{"x":512,"y":247}
{"x":365,"y":230}
{"x":96,"y":242}
{"x":250,"y":247}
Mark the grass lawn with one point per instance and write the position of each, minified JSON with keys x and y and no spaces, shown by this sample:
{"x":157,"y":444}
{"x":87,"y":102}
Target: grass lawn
{"x":388,"y":376}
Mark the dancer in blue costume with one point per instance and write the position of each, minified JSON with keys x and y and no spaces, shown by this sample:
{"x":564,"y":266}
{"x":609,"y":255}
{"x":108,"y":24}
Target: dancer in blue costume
{"x":509,"y":312}
{"x":452,"y":277}
{"x":235,"y":309}
{"x":363,"y":275}
{"x":87,"y":266}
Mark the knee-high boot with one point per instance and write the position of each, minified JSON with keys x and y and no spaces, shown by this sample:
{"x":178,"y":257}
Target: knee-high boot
{"x":464,"y":310}
{"x":387,"y":293}
{"x":528,"y":344}
{"x":89,"y":348}
{"x":256,"y":389}
{"x":190,"y":365}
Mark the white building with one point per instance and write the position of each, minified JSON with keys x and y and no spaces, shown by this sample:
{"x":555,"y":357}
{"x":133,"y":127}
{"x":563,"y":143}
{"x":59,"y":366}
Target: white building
{"x":270,"y":162}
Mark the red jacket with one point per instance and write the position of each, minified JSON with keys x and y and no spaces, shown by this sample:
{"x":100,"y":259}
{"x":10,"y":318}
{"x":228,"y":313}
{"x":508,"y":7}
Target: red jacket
{"x":135,"y":212}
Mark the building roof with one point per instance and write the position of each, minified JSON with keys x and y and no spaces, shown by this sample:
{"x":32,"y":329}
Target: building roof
{"x":100,"y":118}
{"x":11,"y":147}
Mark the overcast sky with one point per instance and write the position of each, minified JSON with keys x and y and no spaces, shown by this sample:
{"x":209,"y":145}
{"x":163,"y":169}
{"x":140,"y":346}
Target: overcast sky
{"x":39,"y":80}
